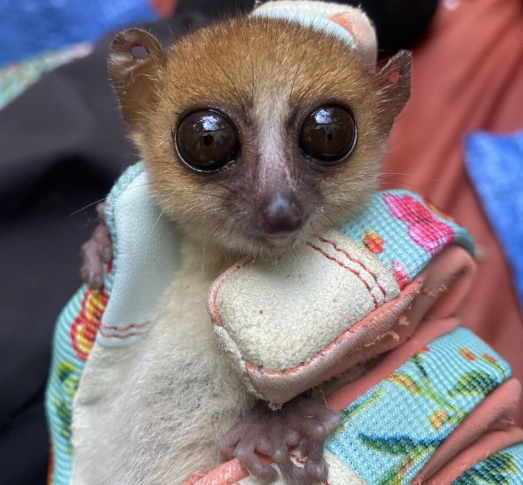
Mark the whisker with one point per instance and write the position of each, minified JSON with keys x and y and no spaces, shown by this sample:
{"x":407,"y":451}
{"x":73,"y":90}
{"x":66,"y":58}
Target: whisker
{"x":154,"y":227}
{"x":87,"y":206}
{"x":412,"y":175}
{"x":407,"y":184}
{"x":298,"y":69}
{"x":213,"y":233}
{"x":233,"y":85}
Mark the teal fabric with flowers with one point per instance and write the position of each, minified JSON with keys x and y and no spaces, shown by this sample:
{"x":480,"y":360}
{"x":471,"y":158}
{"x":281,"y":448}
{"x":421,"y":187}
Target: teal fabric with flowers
{"x":74,"y":337}
{"x":404,"y":231}
{"x":389,"y":433}
{"x":503,"y":468}
{"x":15,"y":78}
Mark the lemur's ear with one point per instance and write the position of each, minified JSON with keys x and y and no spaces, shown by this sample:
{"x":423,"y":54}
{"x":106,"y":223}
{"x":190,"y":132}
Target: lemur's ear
{"x":393,"y":84}
{"x":135,"y":60}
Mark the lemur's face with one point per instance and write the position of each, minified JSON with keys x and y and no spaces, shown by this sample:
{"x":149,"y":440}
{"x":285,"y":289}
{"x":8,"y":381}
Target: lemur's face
{"x":257,"y":132}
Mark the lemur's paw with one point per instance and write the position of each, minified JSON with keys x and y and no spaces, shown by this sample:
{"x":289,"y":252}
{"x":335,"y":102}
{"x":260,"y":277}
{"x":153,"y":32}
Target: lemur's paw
{"x":96,"y":252}
{"x":300,"y":423}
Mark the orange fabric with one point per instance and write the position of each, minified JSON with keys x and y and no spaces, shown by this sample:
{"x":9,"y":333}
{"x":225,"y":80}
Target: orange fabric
{"x":226,"y":474}
{"x":165,"y":8}
{"x":468,"y":75}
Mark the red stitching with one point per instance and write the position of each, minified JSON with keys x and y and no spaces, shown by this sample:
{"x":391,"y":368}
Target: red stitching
{"x":299,"y":459}
{"x":122,"y":329}
{"x":332,"y":258}
{"x":212,"y":306}
{"x":340,"y":250}
{"x":135,"y":334}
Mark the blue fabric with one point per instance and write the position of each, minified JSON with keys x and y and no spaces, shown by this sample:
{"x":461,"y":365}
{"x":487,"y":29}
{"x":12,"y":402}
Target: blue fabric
{"x":388,"y":434}
{"x":119,"y":187}
{"x":32,"y":26}
{"x":503,"y":468}
{"x":69,"y":360}
{"x":495,"y":166}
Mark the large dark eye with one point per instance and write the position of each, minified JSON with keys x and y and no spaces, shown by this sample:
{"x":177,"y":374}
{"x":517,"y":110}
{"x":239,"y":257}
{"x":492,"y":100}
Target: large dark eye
{"x":207,"y":140}
{"x":329,"y":134}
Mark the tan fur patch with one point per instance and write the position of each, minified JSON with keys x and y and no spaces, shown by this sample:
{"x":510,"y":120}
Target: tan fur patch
{"x":266,"y":76}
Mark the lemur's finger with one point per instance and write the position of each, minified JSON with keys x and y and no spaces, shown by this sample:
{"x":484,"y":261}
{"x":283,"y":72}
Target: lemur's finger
{"x":279,"y":450}
{"x":102,"y":236}
{"x":265,"y":474}
{"x":100,"y":210}
{"x":293,"y":474}
{"x":229,"y":441}
{"x":292,"y":437}
{"x":317,"y":470}
{"x":316,"y":434}
{"x":92,"y":271}
{"x":329,"y":418}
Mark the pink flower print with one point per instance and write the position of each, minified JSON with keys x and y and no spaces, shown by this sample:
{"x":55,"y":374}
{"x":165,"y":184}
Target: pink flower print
{"x":424,"y":228}
{"x":401,"y":273}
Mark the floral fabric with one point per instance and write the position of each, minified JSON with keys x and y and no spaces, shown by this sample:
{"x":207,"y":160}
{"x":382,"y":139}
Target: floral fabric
{"x":389,"y":433}
{"x":17,"y":77}
{"x":404,"y":231}
{"x":503,"y":468}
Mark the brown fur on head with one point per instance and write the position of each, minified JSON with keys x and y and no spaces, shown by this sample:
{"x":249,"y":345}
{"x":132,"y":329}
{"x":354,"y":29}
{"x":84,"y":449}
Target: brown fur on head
{"x":267,"y":76}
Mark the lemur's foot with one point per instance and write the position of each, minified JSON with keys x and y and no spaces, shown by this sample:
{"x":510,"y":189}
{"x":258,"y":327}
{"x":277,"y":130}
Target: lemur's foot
{"x":96,"y":252}
{"x":300,"y":422}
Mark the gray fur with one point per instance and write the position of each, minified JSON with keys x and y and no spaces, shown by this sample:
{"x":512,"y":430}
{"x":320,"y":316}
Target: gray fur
{"x":161,"y":426}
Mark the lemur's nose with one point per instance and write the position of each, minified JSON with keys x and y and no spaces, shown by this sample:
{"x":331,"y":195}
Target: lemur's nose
{"x":282,"y":215}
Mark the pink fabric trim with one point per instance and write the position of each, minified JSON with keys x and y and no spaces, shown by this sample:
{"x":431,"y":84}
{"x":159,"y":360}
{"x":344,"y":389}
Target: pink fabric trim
{"x":427,"y":332}
{"x":227,"y":474}
{"x":448,"y":278}
{"x":488,"y":445}
{"x":495,"y":413}
{"x":212,"y":306}
{"x":384,"y":329}
{"x":376,"y":333}
{"x":436,"y":292}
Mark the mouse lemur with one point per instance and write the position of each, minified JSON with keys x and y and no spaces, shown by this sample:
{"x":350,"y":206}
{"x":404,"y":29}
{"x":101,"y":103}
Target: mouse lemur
{"x":256,"y":132}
